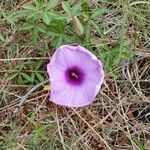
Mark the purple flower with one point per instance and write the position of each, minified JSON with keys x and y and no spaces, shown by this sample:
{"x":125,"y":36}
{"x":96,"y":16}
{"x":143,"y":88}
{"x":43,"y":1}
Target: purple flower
{"x":76,"y":76}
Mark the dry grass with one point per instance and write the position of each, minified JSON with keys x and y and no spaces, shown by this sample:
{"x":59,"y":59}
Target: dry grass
{"x":119,"y":119}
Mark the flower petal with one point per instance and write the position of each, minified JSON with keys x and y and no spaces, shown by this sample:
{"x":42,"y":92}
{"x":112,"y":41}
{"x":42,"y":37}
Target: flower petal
{"x":71,"y":54}
{"x":80,"y":56}
{"x":55,"y":74}
{"x":95,"y":76}
{"x":62,"y":97}
{"x":58,"y":58}
{"x":90,"y":91}
{"x":71,"y":97}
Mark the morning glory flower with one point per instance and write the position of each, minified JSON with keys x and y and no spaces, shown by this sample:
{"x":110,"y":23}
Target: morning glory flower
{"x":76,"y":76}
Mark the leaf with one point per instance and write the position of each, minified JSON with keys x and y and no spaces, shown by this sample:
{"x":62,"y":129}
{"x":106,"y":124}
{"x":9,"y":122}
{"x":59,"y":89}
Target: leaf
{"x":57,"y":41}
{"x":56,"y":27}
{"x":12,"y":17}
{"x":52,"y":32}
{"x":38,"y":4}
{"x":42,"y":28}
{"x":32,"y":76}
{"x":51,"y":4}
{"x":39,"y":76}
{"x":98,"y":12}
{"x":32,"y":118}
{"x":127,"y":54}
{"x":2,"y":37}
{"x":40,"y":63}
{"x":140,"y":144}
{"x":87,"y":32}
{"x":85,"y":7}
{"x":2,"y":14}
{"x":98,"y":29}
{"x":33,"y":15}
{"x":20,"y":80}
{"x":27,"y":26}
{"x":40,"y":133}
{"x":34,"y":33}
{"x":76,"y":8}
{"x":66,"y":39}
{"x":27,"y":77}
{"x":46,"y":18}
{"x":66,"y":7}
{"x":53,"y":15}
{"x":29,"y":7}
{"x":36,"y":81}
{"x":12,"y":76}
{"x":62,"y":16}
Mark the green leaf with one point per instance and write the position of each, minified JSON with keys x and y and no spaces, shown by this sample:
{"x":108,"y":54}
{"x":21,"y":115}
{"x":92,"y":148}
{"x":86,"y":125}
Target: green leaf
{"x":87,"y":31}
{"x":2,"y":38}
{"x":141,"y":145}
{"x":20,"y":80}
{"x":32,"y":118}
{"x":59,"y":26}
{"x":42,"y":28}
{"x":52,"y":32}
{"x":40,"y":63}
{"x":33,"y":15}
{"x":59,"y":42}
{"x":38,"y":4}
{"x":66,"y":39}
{"x":3,"y":14}
{"x":51,"y":4}
{"x":34,"y":33}
{"x":53,"y":15}
{"x":98,"y":12}
{"x":39,"y":76}
{"x":32,"y":76}
{"x":56,"y":41}
{"x":66,"y":7}
{"x":123,"y":30}
{"x":27,"y":26}
{"x":46,"y":18}
{"x":85,"y":7}
{"x":56,"y":27}
{"x":12,"y":17}
{"x":27,"y":77}
{"x":98,"y":29}
{"x":12,"y":76}
{"x":29,"y":7}
{"x":62,"y":16}
{"x":76,"y":8}
{"x":41,"y":132}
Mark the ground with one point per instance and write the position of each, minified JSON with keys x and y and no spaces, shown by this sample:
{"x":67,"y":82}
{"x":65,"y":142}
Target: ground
{"x":118,"y":33}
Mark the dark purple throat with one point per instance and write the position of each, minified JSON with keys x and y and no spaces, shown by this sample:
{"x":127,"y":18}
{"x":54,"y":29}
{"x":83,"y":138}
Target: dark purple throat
{"x":74,"y":75}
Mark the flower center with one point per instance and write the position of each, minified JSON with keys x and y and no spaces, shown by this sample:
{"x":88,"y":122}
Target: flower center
{"x":74,"y":75}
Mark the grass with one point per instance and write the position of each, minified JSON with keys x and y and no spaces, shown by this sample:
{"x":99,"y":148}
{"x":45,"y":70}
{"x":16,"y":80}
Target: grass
{"x":117,"y":32}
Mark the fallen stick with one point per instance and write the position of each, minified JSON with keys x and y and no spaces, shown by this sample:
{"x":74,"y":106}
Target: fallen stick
{"x":25,"y":97}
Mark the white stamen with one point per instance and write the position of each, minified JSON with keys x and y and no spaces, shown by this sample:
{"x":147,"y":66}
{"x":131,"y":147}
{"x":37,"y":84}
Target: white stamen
{"x":73,"y":74}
